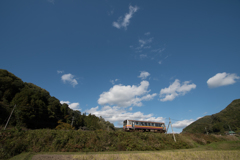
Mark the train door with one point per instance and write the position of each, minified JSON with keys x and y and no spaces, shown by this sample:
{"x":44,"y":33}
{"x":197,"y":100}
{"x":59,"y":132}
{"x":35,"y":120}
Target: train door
{"x":133,"y":125}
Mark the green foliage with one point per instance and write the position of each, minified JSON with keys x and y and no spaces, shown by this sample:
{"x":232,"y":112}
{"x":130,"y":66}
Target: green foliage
{"x":14,"y":141}
{"x":219,"y":122}
{"x":37,"y":109}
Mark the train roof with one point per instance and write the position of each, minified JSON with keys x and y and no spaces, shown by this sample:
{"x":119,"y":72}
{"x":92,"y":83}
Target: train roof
{"x":143,"y":121}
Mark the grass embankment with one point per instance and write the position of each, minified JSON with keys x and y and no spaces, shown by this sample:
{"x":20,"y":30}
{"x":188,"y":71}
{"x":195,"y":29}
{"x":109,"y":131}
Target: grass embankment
{"x":13,"y":142}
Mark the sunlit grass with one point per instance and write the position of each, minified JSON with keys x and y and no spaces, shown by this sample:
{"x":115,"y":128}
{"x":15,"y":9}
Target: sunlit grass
{"x":175,"y":155}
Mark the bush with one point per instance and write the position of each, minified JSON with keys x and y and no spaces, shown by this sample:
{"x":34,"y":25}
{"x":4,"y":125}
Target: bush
{"x":15,"y":141}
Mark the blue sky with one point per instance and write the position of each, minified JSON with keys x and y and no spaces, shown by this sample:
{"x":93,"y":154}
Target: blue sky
{"x":127,"y":59}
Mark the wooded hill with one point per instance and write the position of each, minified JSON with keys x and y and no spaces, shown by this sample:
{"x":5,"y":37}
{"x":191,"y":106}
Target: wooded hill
{"x":226,"y":120}
{"x":36,"y":108}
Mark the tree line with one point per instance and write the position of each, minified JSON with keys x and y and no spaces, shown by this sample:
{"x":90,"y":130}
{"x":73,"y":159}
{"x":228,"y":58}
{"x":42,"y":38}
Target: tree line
{"x":36,"y":108}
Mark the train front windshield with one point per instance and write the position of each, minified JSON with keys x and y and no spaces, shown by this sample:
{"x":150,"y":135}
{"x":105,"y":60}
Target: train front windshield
{"x":125,"y":123}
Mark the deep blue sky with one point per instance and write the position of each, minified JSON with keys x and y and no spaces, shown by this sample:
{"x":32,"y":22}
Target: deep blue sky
{"x":93,"y":43}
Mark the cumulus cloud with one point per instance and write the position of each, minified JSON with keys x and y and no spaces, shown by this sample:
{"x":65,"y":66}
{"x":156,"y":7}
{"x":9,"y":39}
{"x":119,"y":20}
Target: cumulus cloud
{"x":183,"y":123}
{"x":124,"y":22}
{"x":125,"y":96}
{"x":74,"y":106}
{"x":119,"y":114}
{"x":67,"y":102}
{"x":70,"y":79}
{"x":222,"y":79}
{"x":144,"y":75}
{"x":176,"y":89}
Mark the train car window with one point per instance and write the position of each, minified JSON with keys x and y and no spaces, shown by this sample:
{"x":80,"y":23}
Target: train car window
{"x":130,"y":122}
{"x":148,"y":124}
{"x":136,"y":123}
{"x":156,"y":124}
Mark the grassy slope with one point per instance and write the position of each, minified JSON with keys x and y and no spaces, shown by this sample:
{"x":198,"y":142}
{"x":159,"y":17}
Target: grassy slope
{"x":219,"y":122}
{"x":14,"y":142}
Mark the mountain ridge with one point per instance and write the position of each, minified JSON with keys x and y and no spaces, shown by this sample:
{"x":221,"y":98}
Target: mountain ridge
{"x":225,"y":120}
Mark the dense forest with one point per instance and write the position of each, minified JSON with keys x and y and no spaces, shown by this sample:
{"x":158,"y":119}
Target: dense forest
{"x":36,"y":108}
{"x":226,"y":120}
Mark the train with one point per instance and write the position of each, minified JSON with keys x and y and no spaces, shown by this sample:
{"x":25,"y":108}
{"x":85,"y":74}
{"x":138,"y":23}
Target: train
{"x":143,"y":126}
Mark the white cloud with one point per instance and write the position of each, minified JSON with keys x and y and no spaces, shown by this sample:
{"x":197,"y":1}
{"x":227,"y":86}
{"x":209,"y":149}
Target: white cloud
{"x":74,"y":106}
{"x":59,"y":71}
{"x":147,"y":33}
{"x":144,"y":75}
{"x":125,"y":96}
{"x":67,"y":102}
{"x":160,"y":62}
{"x":176,"y":89}
{"x":142,"y":42}
{"x":205,"y":113}
{"x":222,"y":79}
{"x":113,"y":81}
{"x":119,"y":114}
{"x":183,"y":123}
{"x":69,"y":78}
{"x":124,"y":22}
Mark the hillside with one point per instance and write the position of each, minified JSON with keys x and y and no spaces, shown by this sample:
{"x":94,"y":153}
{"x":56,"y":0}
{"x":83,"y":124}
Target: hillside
{"x":219,"y":122}
{"x":36,"y":108}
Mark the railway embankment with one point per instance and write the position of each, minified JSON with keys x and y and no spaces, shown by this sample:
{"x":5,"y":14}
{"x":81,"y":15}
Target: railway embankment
{"x":13,"y":142}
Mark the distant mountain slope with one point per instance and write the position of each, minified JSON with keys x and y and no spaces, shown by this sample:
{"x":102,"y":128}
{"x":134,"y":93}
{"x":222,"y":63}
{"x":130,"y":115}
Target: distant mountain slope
{"x":228,"y":118}
{"x":36,"y":108}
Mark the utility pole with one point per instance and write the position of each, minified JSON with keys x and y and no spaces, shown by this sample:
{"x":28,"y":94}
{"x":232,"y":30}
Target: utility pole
{"x":168,"y":126}
{"x":172,"y":129}
{"x":9,"y":117}
{"x":72,"y":122}
{"x":229,"y":127}
{"x":206,"y":130}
